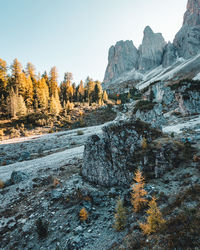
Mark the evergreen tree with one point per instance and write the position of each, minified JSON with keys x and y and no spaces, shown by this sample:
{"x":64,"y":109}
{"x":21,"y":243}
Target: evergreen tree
{"x":30,"y":71}
{"x":42,"y":93}
{"x":18,"y":79}
{"x":28,"y":95}
{"x":21,"y":106}
{"x":54,"y":105}
{"x":3,"y":78}
{"x":80,"y":92}
{"x":120,"y":216}
{"x":53,"y":84}
{"x":98,"y":93}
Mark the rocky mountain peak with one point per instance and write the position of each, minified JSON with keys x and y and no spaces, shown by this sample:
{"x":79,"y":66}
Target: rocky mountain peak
{"x":151,"y":50}
{"x":187,"y":40}
{"x":121,"y":58}
{"x":148,"y":30}
{"x":192,"y":15}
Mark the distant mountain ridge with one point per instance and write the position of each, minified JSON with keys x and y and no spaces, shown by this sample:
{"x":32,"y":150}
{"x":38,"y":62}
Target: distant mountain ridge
{"x":126,"y":62}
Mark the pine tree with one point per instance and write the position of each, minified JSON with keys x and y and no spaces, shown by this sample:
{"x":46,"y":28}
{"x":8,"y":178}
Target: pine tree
{"x":12,"y":103}
{"x":42,"y":93}
{"x":54,"y":105}
{"x":53,"y":84}
{"x":29,"y":92}
{"x":3,"y":78}
{"x":80,"y":92}
{"x":30,"y":71}
{"x":18,"y":78}
{"x":21,"y":107}
{"x":155,"y":220}
{"x":98,"y":92}
{"x":120,"y":216}
{"x":138,"y":192}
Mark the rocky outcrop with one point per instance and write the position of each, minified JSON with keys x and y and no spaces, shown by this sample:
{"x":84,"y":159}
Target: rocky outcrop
{"x":151,"y":50}
{"x":187,"y":40}
{"x":112,"y":158}
{"x":169,"y":55}
{"x":121,"y":58}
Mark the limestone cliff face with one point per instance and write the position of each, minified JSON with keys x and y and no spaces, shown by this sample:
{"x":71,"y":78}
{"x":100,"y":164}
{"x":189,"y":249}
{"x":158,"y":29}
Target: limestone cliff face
{"x":151,"y":50}
{"x":187,"y":40}
{"x":169,"y":55}
{"x":121,"y":58}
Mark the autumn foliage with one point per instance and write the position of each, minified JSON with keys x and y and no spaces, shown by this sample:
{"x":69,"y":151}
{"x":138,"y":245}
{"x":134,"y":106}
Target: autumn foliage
{"x":138,"y":193}
{"x":83,"y":215}
{"x":155,"y":220}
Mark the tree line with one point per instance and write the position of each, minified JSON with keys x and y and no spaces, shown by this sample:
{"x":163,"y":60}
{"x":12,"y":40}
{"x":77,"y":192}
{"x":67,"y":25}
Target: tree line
{"x":22,"y":91}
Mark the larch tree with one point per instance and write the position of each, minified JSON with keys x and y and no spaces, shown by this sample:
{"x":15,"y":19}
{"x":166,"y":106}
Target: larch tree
{"x":138,"y":193}
{"x":18,"y":78}
{"x":80,"y":91}
{"x":3,"y":78}
{"x":53,"y":82}
{"x":105,"y":96}
{"x":155,"y":219}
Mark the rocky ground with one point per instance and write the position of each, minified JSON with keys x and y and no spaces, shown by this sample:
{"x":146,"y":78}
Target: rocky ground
{"x":44,"y":184}
{"x":56,"y":192}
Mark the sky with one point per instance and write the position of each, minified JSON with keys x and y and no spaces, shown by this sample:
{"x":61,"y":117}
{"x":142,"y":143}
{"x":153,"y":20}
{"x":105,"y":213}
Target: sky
{"x":75,"y":35}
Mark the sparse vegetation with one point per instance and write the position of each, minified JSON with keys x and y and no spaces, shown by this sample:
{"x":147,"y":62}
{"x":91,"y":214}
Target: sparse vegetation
{"x":143,"y":106}
{"x":83,"y":214}
{"x":41,"y":228}
{"x":138,"y":193}
{"x":120,"y":216}
{"x":155,"y":220}
{"x":80,"y":132}
{"x":1,"y":184}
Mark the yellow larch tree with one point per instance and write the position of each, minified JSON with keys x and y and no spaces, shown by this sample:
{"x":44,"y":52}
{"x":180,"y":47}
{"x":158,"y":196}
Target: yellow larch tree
{"x":155,"y":220}
{"x":138,"y":192}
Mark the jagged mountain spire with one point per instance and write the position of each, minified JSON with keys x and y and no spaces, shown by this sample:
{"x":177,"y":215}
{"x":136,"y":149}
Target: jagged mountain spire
{"x":187,"y":40}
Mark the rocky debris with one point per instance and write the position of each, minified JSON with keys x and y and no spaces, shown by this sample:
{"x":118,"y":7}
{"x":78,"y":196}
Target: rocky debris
{"x":18,"y":176}
{"x":187,"y":40}
{"x":121,"y":58}
{"x":111,"y":159}
{"x":154,"y":116}
{"x":169,"y":55}
{"x":151,"y":50}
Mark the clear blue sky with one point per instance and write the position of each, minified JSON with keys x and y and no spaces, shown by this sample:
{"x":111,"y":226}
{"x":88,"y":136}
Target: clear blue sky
{"x":75,"y":35}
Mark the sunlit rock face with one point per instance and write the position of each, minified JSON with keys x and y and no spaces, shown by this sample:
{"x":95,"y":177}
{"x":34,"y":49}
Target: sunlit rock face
{"x":151,"y":50}
{"x":121,"y":58}
{"x":187,"y":40}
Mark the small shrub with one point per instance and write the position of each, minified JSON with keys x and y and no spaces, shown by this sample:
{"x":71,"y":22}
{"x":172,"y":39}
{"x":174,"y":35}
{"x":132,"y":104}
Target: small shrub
{"x":144,"y":143}
{"x":56,"y":182}
{"x":143,"y":106}
{"x":1,"y":184}
{"x":80,"y":132}
{"x":120,"y":216}
{"x":155,"y":220}
{"x":1,"y":134}
{"x":42,"y":228}
{"x":83,"y":214}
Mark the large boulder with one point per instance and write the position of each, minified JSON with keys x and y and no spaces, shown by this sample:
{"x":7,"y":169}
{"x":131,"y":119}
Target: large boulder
{"x":112,"y":158}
